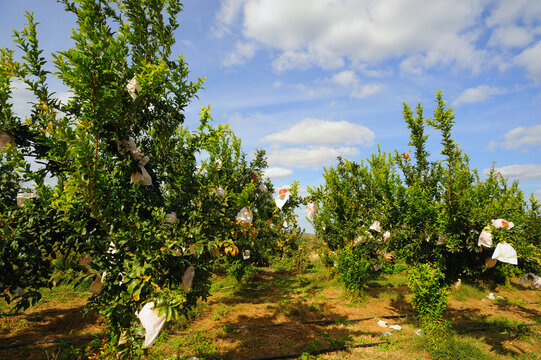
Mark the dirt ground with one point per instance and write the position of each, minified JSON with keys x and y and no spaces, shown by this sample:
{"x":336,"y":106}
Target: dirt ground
{"x":267,"y":315}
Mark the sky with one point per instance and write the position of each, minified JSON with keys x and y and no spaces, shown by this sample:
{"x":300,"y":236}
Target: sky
{"x":310,"y":80}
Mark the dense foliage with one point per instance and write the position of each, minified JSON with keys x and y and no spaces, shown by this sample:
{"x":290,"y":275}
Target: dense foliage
{"x":433,"y":210}
{"x":124,"y":195}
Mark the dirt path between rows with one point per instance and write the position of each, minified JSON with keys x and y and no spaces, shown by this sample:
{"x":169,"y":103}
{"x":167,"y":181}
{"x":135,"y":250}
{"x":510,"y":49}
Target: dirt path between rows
{"x":236,"y":321}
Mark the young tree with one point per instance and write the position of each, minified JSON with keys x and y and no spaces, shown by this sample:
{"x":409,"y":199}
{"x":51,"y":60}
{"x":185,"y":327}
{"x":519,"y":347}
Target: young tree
{"x":125,"y":195}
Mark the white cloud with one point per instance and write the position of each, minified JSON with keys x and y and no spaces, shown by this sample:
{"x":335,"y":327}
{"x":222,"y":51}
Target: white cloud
{"x":507,"y":12}
{"x":367,"y":90}
{"x":529,"y":58}
{"x":521,"y":172}
{"x":21,"y":99}
{"x":309,"y":157}
{"x":325,"y":33}
{"x":305,"y":59}
{"x":510,"y":36}
{"x":526,"y":137}
{"x":374,"y":73}
{"x":242,"y":53}
{"x":478,"y":94}
{"x":346,"y":78}
{"x":277,"y":172}
{"x":315,"y":131}
{"x":226,"y":16}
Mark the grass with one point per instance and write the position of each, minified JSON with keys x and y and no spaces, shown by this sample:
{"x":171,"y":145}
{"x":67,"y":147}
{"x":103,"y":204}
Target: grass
{"x":267,"y":296}
{"x":453,"y":347}
{"x":467,"y":291}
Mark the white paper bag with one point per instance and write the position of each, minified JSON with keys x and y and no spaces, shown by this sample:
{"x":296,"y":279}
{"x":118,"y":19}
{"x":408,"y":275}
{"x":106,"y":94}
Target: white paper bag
{"x":485,"y":238}
{"x":281,"y":199}
{"x":187,"y":278}
{"x":133,"y":88}
{"x":262,"y":187}
{"x":171,"y":218}
{"x":376,"y":225}
{"x":245,"y":215}
{"x":151,"y":322}
{"x":218,"y":191}
{"x":501,"y":223}
{"x":442,"y":240}
{"x":142,"y":178}
{"x":311,"y":209}
{"x":22,"y":197}
{"x":504,"y":252}
{"x":97,"y":285}
{"x":6,"y":139}
{"x":246,"y":254}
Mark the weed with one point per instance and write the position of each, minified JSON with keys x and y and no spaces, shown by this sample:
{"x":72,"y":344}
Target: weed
{"x":451,"y":348}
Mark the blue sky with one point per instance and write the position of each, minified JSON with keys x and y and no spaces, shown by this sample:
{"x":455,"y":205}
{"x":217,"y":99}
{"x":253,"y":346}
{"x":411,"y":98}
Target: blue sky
{"x":308,"y":80}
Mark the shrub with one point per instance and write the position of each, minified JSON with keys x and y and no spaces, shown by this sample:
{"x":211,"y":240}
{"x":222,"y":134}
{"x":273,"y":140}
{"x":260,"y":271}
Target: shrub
{"x":430,"y":296}
{"x":354,"y":268}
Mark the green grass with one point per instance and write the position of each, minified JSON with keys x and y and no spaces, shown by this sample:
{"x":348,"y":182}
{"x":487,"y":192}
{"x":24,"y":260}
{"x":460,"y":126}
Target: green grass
{"x":467,"y":291}
{"x":453,"y":347}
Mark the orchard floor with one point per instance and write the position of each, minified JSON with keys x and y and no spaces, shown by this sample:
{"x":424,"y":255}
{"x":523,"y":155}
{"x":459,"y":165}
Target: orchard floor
{"x":234,"y":322}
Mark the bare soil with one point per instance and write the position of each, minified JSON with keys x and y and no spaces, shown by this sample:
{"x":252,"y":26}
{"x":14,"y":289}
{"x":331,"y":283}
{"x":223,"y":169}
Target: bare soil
{"x":239,"y":321}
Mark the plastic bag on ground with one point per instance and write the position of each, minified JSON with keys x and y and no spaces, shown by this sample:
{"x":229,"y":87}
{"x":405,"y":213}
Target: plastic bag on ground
{"x":151,"y":322}
{"x":501,"y":223}
{"x":6,"y":139}
{"x":485,"y":238}
{"x":245,"y":215}
{"x":395,"y":327}
{"x":504,"y":252}
{"x":187,"y":278}
{"x":281,"y":199}
{"x":382,"y":323}
{"x":133,"y":88}
{"x":142,"y":178}
{"x":376,"y":225}
{"x":531,"y":279}
{"x":311,"y":209}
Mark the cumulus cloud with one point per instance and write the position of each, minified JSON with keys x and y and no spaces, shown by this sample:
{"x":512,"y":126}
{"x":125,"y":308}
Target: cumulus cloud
{"x":226,"y":16}
{"x":529,"y":58}
{"x":478,"y":94}
{"x":315,"y":131}
{"x":277,"y":172}
{"x":326,"y":33}
{"x":521,"y":172}
{"x":520,"y":137}
{"x":22,"y":99}
{"x":367,"y":90}
{"x":510,"y":36}
{"x":346,"y":78}
{"x":242,"y":53}
{"x":309,"y":157}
